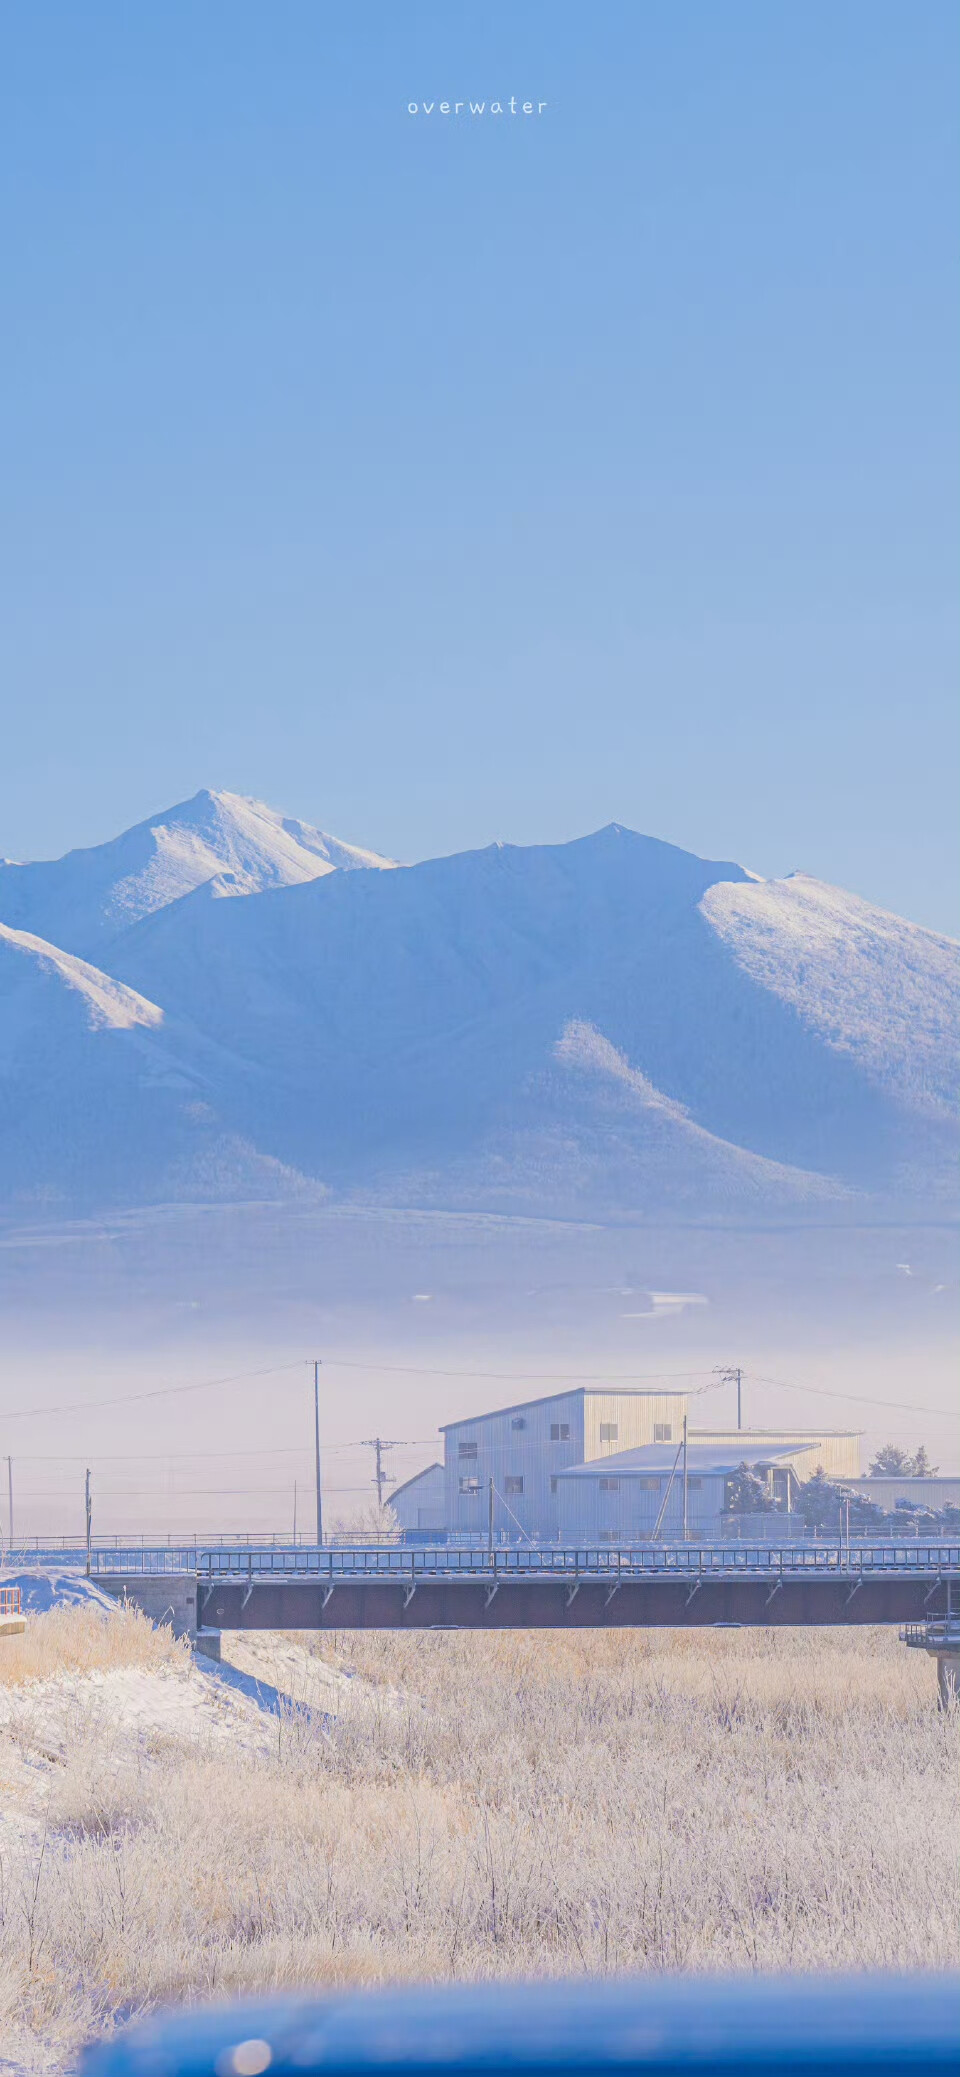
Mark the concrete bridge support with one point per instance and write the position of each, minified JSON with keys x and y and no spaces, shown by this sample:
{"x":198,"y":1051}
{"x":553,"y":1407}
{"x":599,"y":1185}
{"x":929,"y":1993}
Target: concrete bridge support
{"x":166,"y":1597}
{"x":948,"y":1677}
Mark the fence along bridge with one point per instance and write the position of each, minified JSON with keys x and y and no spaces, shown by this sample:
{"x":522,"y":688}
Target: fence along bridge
{"x":670,"y":1586}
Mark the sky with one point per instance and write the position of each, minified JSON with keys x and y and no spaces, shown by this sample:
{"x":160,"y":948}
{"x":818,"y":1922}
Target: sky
{"x":446,"y":478}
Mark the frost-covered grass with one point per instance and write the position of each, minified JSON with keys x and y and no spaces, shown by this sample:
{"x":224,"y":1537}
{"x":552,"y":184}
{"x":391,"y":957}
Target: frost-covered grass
{"x":498,"y":1805}
{"x":85,"y":1640}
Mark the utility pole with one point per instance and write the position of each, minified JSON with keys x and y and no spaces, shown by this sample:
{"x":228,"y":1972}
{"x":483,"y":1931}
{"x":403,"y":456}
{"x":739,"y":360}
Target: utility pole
{"x":734,"y":1376}
{"x":684,"y":1478}
{"x":381,"y":1478}
{"x":316,"y":1450}
{"x":490,"y":1516}
{"x":88,"y":1510}
{"x":294,"y":1512}
{"x":10,"y":1500}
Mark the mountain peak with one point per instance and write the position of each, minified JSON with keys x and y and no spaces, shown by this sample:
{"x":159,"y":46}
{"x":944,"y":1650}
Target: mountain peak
{"x":238,"y":845}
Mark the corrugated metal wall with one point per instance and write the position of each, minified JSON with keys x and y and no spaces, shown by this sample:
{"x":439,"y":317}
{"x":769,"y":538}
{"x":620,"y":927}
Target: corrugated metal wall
{"x":523,"y":1448}
{"x":927,"y":1492}
{"x":420,"y":1503}
{"x":839,"y":1454}
{"x":590,"y":1513}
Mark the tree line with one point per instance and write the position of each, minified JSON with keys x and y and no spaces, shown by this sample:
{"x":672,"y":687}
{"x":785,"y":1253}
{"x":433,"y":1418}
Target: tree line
{"x":825,"y":1503}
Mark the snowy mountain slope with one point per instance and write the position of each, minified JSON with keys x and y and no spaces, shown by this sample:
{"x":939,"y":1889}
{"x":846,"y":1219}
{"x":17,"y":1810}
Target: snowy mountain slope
{"x":104,"y":1099}
{"x":107,"y":1004}
{"x":409,"y":1021}
{"x":233,"y":845}
{"x":607,"y":1028}
{"x":882,"y":991}
{"x":595,"y":1135}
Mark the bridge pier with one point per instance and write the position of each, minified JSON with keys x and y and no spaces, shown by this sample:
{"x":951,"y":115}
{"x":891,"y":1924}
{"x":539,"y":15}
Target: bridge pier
{"x":939,"y":1637}
{"x":948,"y":1677}
{"x":166,"y":1597}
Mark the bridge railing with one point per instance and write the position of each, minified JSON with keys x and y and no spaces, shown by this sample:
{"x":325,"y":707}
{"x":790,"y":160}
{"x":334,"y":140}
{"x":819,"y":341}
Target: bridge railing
{"x":415,"y":1565}
{"x":935,"y":1633}
{"x":448,"y":1562}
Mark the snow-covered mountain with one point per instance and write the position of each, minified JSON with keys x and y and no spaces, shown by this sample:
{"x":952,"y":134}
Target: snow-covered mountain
{"x":221,"y":841}
{"x":610,"y":1028}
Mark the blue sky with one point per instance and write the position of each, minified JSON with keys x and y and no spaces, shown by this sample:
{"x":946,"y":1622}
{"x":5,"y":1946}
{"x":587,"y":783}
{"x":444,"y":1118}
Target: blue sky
{"x":444,"y":480}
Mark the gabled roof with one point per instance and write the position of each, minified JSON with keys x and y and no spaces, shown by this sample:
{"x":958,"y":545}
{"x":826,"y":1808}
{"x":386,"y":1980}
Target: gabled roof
{"x":408,"y":1482}
{"x":610,"y":1391}
{"x":703,"y":1460}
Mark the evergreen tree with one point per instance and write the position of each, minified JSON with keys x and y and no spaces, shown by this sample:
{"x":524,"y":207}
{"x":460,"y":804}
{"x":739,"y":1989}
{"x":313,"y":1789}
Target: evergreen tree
{"x":922,"y":1467}
{"x":818,"y":1501}
{"x":747,"y":1493}
{"x":891,"y":1462}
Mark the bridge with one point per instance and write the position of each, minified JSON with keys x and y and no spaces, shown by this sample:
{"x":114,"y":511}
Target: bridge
{"x":670,"y":1586}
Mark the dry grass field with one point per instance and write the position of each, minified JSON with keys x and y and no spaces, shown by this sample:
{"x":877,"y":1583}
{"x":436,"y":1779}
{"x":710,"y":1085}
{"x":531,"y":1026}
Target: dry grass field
{"x":480,"y":1806}
{"x":78,"y":1641}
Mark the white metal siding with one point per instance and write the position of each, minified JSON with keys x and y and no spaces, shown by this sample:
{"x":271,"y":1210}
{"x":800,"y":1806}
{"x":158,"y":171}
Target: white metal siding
{"x":839,"y":1453}
{"x":505,"y":1451}
{"x":419,"y":1503}
{"x":589,"y":1515}
{"x":927,"y":1492}
{"x":634,"y":1415}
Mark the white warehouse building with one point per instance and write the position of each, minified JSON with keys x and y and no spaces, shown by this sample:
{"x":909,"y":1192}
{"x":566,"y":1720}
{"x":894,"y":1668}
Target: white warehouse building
{"x":523,"y":1450}
{"x":419,"y":1503}
{"x":620,"y":1500}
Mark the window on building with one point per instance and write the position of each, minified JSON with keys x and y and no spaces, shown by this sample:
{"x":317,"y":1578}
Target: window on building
{"x":469,"y":1485}
{"x":609,"y":1431}
{"x":554,"y":1485}
{"x":609,"y":1536}
{"x":649,"y":1485}
{"x":559,"y":1431}
{"x":513,"y":1483}
{"x":662,"y":1431}
{"x":609,"y":1485}
{"x":518,"y":1421}
{"x":467,"y":1449}
{"x":694,"y":1485}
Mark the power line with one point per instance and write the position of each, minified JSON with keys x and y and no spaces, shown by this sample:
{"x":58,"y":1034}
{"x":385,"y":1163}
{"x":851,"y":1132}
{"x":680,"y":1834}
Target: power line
{"x":67,"y":1406}
{"x":283,"y":1449}
{"x":523,"y":1377}
{"x":599,"y":1377}
{"x":855,"y":1398}
{"x":596,"y":1377}
{"x":182,"y":1493}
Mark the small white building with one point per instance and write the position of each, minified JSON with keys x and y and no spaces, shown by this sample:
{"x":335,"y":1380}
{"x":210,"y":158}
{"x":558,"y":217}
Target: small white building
{"x":523,"y":1449}
{"x":419,"y":1503}
{"x":934,"y":1493}
{"x":620,"y":1500}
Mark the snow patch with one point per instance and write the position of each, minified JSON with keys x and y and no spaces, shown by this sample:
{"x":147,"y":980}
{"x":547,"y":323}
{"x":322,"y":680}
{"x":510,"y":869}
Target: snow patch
{"x":881,"y":990}
{"x":110,"y":1004}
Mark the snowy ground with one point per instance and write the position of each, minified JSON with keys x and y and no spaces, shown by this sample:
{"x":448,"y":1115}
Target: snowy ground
{"x":234,"y":1701}
{"x":132,"y":1715}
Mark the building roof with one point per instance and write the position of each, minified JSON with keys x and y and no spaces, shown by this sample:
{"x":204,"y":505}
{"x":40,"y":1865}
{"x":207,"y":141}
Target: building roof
{"x":718,"y":1433}
{"x":613,"y":1391}
{"x":875,"y":1481}
{"x":408,"y":1482}
{"x":702,"y":1459}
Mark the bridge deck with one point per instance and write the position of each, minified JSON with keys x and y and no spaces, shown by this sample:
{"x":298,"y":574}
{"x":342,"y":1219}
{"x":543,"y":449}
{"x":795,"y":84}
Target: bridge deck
{"x":669,"y":1586}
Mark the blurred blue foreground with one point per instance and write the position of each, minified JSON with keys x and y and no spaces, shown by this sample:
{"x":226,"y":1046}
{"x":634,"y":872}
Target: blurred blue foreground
{"x":849,"y":2025}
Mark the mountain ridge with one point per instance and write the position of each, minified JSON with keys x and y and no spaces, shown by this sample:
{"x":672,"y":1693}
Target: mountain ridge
{"x":611,"y":1027}
{"x":230,"y":842}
